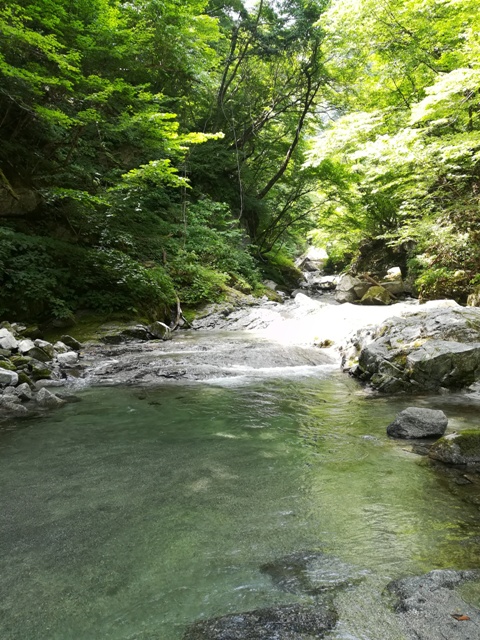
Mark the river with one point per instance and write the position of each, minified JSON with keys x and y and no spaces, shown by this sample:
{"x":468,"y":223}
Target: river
{"x":141,"y":509}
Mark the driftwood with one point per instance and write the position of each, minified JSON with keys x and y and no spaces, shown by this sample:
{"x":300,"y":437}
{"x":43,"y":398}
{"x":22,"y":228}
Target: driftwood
{"x":377,"y":284}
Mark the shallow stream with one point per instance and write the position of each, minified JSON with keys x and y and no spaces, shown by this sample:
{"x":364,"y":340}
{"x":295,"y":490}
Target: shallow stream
{"x":136,"y":511}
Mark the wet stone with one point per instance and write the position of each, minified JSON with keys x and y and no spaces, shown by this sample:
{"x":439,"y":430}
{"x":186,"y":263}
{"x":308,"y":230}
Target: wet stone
{"x":427,"y":606}
{"x":288,"y":622}
{"x":311,"y":573}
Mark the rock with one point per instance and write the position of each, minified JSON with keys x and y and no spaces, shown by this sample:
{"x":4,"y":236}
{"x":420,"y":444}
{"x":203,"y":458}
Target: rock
{"x":427,"y":350}
{"x":285,"y":622}
{"x":14,"y":409}
{"x":415,"y":422}
{"x":24,"y":378}
{"x":137,"y":332}
{"x":8,"y":378}
{"x":396,"y":287}
{"x":48,"y":400}
{"x":425,"y":604}
{"x":7,"y":340}
{"x":160,"y":330}
{"x":346,"y":289}
{"x":39,"y":373}
{"x":20,"y":361}
{"x":41,"y":384}
{"x":394,"y":274}
{"x":39,"y":354}
{"x":26,"y":345}
{"x":45,"y":346}
{"x":74,"y":344}
{"x":9,"y":397}
{"x":270,"y":284}
{"x":24,"y":392}
{"x":458,"y":448}
{"x":361,"y":289}
{"x":7,"y":365}
{"x":68,"y":358}
{"x":310,"y":573}
{"x":376,"y":295}
{"x":60,"y":347}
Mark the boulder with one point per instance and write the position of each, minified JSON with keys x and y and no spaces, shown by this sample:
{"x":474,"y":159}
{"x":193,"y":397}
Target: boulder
{"x":60,"y":347}
{"x":376,"y":295}
{"x":7,"y":340}
{"x":67,"y":359}
{"x":284,"y":622}
{"x":361,"y":289}
{"x":45,"y":346}
{"x":38,"y":372}
{"x":415,"y":422}
{"x":74,"y":344}
{"x":394,"y":274}
{"x":14,"y":409}
{"x":160,"y":330}
{"x":39,"y":354}
{"x":422,"y":351}
{"x":24,"y":392}
{"x":395,"y":287}
{"x":48,"y":400}
{"x":26,"y":345}
{"x":458,"y":448}
{"x":345,"y":291}
{"x":8,"y":378}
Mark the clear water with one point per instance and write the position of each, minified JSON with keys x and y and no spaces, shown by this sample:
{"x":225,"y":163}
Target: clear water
{"x":133,"y":513}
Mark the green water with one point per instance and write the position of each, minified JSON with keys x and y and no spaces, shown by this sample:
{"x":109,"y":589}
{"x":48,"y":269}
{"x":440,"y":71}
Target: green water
{"x":132,"y":513}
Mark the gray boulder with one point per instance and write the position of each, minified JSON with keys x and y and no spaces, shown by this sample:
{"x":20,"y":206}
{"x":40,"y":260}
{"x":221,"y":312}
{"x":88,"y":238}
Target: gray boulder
{"x":7,"y":340}
{"x":8,"y":378}
{"x":376,"y":296}
{"x":24,"y":392}
{"x":415,"y":422}
{"x":345,"y":291}
{"x":458,"y":448}
{"x":428,"y":606}
{"x":286,"y":622}
{"x":48,"y":400}
{"x":60,"y":347}
{"x":423,"y":351}
{"x":14,"y":409}
{"x":45,"y":346}
{"x":71,"y":342}
{"x":160,"y":330}
{"x":67,"y":359}
{"x":24,"y":346}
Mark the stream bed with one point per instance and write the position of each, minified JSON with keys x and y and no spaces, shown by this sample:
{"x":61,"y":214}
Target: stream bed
{"x":135,"y":512}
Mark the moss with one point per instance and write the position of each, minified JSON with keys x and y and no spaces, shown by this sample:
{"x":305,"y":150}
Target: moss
{"x":468,"y":441}
{"x":5,"y":364}
{"x":400,"y":360}
{"x":20,"y":361}
{"x":22,"y":377}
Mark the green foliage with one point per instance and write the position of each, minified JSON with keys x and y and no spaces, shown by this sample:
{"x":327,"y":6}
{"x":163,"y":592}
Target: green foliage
{"x":403,"y":155}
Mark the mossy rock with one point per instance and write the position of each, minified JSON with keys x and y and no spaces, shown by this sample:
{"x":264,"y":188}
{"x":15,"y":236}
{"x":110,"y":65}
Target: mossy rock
{"x":40,"y":373}
{"x":376,"y":295}
{"x":458,"y":448}
{"x":22,"y":377}
{"x":20,"y":361}
{"x":5,"y":364}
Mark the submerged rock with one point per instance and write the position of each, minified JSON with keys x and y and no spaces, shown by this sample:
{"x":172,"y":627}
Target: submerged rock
{"x":427,"y":606}
{"x":48,"y":400}
{"x":458,"y":448}
{"x":310,"y":573}
{"x":415,"y":422}
{"x":287,"y":622}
